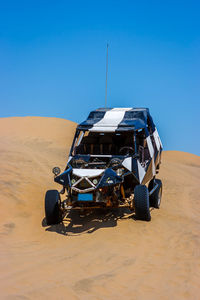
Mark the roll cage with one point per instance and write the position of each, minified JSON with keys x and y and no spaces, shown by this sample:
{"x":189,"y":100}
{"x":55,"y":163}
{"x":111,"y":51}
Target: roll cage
{"x":112,"y":143}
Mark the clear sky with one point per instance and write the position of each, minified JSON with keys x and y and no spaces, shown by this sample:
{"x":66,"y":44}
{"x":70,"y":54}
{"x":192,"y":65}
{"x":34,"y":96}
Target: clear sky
{"x":53,"y":54}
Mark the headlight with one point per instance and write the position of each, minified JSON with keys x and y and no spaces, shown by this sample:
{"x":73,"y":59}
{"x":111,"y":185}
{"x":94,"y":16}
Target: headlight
{"x":73,"y":181}
{"x":109,"y":180}
{"x":56,"y":171}
{"x":95,"y":181}
{"x":119,"y":172}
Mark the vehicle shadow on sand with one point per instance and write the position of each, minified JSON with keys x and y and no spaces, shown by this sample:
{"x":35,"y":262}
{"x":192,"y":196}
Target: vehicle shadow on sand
{"x":76,"y":223}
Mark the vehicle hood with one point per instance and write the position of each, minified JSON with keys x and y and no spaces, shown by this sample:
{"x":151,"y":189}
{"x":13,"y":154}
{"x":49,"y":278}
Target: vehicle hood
{"x":87,"y":172}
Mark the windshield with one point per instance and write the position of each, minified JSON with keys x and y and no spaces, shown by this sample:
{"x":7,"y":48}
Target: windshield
{"x":106,"y":143}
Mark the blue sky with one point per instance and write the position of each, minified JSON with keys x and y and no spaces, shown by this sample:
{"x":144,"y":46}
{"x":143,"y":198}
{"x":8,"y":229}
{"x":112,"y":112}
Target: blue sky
{"x":52,"y":61}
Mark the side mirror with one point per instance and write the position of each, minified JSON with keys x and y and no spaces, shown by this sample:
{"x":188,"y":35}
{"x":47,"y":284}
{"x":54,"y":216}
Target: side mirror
{"x":56,"y":171}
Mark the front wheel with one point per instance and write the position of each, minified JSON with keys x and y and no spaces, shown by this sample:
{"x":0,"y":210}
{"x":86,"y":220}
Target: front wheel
{"x":52,"y":209}
{"x":141,"y":199}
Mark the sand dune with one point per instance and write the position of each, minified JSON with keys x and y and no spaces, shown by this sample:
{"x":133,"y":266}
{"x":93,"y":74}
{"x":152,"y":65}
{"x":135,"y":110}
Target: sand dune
{"x":100,"y":256}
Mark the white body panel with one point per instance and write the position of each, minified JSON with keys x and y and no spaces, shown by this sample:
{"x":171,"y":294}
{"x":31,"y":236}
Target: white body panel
{"x":111,"y":120}
{"x":87,"y":172}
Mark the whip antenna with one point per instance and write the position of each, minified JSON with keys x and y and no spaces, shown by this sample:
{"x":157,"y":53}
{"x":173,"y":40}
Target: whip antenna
{"x":106,"y":76}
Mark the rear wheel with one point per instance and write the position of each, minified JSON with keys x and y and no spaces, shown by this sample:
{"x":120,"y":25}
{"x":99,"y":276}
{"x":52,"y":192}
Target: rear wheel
{"x":141,"y":199}
{"x":52,"y":209}
{"x":155,"y":197}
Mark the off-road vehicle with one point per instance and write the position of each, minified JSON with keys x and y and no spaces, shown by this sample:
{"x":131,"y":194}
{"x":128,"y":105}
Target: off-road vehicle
{"x":115,"y":155}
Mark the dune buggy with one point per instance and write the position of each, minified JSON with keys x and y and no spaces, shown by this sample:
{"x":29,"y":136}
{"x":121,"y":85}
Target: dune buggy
{"x":115,"y":154}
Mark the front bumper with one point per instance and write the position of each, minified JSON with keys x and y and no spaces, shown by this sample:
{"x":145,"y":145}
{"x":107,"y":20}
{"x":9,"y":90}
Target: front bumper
{"x":85,"y":184}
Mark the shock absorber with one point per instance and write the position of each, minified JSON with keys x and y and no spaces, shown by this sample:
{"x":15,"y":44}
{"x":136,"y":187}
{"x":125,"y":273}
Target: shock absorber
{"x":122,"y":191}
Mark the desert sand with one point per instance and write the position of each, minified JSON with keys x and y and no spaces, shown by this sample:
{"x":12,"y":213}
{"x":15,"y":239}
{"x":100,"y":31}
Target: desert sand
{"x":109,"y":256}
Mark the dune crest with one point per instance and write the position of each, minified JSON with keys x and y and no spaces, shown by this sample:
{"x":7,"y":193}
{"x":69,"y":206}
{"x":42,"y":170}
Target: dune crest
{"x":100,"y":256}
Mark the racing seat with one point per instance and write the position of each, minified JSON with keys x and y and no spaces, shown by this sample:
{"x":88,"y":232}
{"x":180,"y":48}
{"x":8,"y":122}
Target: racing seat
{"x":106,"y":145}
{"x":118,"y":144}
{"x":86,"y":146}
